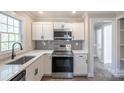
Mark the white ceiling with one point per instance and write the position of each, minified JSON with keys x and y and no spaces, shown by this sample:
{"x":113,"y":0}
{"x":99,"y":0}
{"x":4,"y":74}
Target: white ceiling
{"x":64,"y":14}
{"x":56,"y":14}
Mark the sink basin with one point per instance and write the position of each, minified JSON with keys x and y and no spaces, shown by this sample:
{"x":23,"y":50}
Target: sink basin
{"x":21,"y":60}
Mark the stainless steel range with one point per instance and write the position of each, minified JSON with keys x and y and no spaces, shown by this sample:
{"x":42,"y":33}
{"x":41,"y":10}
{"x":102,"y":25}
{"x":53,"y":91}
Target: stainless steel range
{"x":62,"y":62}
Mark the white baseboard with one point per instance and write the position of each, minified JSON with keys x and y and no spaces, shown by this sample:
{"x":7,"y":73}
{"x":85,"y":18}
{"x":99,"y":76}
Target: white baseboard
{"x":90,"y":75}
{"x":116,"y":75}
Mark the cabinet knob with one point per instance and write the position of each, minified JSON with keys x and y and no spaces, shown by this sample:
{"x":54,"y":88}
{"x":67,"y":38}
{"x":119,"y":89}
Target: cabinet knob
{"x":62,"y":26}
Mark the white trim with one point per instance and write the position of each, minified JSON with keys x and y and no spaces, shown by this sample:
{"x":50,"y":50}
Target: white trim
{"x":118,"y":44}
{"x":8,"y":33}
{"x":91,"y":50}
{"x":120,"y":16}
{"x":90,"y":75}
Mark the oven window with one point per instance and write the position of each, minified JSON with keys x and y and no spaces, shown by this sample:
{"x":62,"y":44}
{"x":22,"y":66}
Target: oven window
{"x":62,"y":64}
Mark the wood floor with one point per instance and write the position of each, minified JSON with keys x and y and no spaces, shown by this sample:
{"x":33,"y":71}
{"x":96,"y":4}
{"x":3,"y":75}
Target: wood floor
{"x":101,"y":74}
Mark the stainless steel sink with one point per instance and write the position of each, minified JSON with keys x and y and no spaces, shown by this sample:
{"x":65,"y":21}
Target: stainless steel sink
{"x":21,"y":60}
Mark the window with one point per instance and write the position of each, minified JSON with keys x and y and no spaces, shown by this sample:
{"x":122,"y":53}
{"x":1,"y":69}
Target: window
{"x":10,"y":32}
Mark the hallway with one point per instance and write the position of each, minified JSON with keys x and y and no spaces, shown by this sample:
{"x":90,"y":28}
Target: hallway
{"x":101,"y":73}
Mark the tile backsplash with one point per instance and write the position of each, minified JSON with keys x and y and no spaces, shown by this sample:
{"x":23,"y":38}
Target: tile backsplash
{"x":49,"y":44}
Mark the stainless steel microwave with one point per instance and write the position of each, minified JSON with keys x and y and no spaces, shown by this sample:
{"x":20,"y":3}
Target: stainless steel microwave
{"x":62,"y":34}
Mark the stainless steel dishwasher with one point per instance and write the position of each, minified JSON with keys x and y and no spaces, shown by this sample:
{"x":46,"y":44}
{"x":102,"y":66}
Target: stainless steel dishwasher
{"x":20,"y":76}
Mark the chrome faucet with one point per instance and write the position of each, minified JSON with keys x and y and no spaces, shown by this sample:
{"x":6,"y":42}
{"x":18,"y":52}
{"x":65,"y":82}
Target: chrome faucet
{"x":13,"y":46}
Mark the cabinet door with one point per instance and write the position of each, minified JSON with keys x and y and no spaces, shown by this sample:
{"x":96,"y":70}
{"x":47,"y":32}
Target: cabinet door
{"x":48,"y":31}
{"x":78,"y":31}
{"x":36,"y":31}
{"x":68,"y":25}
{"x":33,"y":72}
{"x":48,"y":64}
{"x":80,"y":65}
{"x":59,"y":25}
{"x":41,"y":67}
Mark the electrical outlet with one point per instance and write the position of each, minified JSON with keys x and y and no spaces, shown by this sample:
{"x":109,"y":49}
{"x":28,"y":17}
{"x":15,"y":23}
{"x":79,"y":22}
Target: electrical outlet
{"x":77,"y":44}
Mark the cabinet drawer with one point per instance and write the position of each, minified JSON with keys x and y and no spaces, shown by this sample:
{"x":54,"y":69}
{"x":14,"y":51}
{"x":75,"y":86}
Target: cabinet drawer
{"x":80,"y":56}
{"x":30,"y":72}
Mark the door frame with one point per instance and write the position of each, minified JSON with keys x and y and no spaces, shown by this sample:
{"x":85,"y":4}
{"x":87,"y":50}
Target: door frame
{"x":114,"y":45}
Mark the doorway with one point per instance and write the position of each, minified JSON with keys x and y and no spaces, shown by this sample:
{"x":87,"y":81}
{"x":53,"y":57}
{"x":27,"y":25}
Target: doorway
{"x":103,"y":45}
{"x":112,"y":67}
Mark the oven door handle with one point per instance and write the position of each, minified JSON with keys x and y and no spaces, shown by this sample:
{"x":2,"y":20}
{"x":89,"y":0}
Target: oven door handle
{"x":61,"y":56}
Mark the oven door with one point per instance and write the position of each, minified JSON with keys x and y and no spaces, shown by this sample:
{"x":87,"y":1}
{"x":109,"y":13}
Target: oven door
{"x":62,"y":64}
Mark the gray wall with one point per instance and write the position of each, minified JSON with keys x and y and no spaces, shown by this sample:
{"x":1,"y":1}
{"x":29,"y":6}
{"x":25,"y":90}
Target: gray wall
{"x":49,"y":44}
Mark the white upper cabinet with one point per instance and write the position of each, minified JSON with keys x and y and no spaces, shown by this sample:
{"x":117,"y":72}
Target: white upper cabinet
{"x":78,"y":31}
{"x":48,"y":31}
{"x":42,"y":31}
{"x":36,"y":31}
{"x":59,"y":25}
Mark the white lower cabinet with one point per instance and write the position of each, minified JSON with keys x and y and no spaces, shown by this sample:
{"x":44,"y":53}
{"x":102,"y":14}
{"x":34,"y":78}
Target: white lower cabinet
{"x":80,"y":64}
{"x":47,"y":64}
{"x":35,"y":71}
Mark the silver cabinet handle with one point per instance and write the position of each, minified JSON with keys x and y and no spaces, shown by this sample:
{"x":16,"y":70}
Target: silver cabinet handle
{"x":50,"y":57}
{"x":36,"y":71}
{"x":80,"y":56}
{"x":41,"y":37}
{"x":86,"y":61}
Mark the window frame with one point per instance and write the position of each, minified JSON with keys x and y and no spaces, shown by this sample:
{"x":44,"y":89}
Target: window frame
{"x":9,"y":33}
